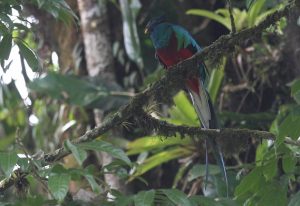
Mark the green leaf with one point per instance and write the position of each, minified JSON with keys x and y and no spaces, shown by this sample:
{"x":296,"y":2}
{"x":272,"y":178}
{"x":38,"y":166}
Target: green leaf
{"x":58,"y":185}
{"x":270,"y":168}
{"x":159,"y":159}
{"x":249,"y":3}
{"x":79,"y":154}
{"x":289,"y":163}
{"x":5,"y":46}
{"x":144,"y":198}
{"x":144,"y":144}
{"x":8,"y":161}
{"x":254,"y":11}
{"x":260,"y":152}
{"x":130,"y":10}
{"x":211,"y":15}
{"x":215,"y":81}
{"x":177,"y":197}
{"x":250,"y":183}
{"x":198,"y":170}
{"x":95,"y":187}
{"x":273,"y":192}
{"x":79,"y":91}
{"x":106,"y":147}
{"x":184,"y":110}
{"x":29,"y":55}
{"x":295,"y":200}
{"x":295,"y":90}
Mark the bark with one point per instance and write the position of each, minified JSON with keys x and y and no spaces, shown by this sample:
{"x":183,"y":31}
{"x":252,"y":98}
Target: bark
{"x":95,"y":30}
{"x":99,"y":60}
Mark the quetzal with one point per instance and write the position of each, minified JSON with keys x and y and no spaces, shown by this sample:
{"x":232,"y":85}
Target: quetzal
{"x":173,"y":44}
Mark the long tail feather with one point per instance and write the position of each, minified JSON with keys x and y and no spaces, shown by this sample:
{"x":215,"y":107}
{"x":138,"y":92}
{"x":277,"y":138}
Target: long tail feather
{"x":207,"y":116}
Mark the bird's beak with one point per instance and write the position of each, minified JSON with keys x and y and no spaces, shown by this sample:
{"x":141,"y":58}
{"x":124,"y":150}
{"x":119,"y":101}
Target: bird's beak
{"x":146,"y":30}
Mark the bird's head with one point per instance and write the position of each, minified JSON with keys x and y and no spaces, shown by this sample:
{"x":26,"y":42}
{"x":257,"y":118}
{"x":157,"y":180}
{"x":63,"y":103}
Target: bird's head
{"x":153,"y":23}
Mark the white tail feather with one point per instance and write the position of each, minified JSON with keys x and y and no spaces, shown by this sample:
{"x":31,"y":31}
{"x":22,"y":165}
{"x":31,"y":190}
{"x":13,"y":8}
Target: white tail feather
{"x":200,"y":102}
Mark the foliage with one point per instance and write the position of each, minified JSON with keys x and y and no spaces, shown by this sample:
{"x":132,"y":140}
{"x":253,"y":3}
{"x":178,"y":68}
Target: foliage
{"x":243,"y":18}
{"x":62,"y":104}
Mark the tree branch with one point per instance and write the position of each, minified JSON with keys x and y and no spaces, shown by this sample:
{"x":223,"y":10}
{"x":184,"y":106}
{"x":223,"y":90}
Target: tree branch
{"x":163,"y":89}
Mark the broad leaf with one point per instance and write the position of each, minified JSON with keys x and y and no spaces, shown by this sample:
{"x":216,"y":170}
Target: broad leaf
{"x":144,"y":198}
{"x":177,"y":197}
{"x":211,"y":15}
{"x":58,"y":185}
{"x":5,"y":46}
{"x":79,"y":154}
{"x":106,"y":147}
{"x":295,"y":200}
{"x":8,"y":161}
{"x":29,"y":55}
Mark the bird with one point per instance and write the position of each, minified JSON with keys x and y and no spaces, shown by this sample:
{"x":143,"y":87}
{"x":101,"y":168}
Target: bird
{"x":173,"y":44}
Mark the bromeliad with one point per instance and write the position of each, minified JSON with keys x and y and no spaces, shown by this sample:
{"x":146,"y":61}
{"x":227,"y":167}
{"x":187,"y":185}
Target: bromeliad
{"x":173,"y":44}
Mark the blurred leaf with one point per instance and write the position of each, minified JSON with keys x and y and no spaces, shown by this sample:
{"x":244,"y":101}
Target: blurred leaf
{"x":289,"y":163}
{"x":211,"y":15}
{"x":250,"y":183}
{"x":106,"y":147}
{"x":130,"y":11}
{"x":144,"y":198}
{"x":270,"y":168}
{"x":154,"y":142}
{"x":8,"y":161}
{"x":198,"y":170}
{"x":215,"y":81}
{"x":295,"y":200}
{"x":79,"y":154}
{"x":254,"y":11}
{"x":249,"y":3}
{"x":159,"y":159}
{"x":177,"y":197}
{"x":295,"y":90}
{"x":184,"y":110}
{"x":58,"y":185}
{"x":90,"y":178}
{"x":29,"y":55}
{"x":260,"y":152}
{"x":290,"y":127}
{"x":5,"y":46}
{"x":79,"y":91}
{"x":273,"y":192}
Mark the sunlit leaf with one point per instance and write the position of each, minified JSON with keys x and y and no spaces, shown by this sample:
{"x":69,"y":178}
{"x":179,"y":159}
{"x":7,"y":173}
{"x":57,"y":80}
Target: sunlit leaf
{"x":211,"y":15}
{"x":249,"y":3}
{"x":154,"y":142}
{"x":215,"y":81}
{"x":159,"y":159}
{"x":184,"y":110}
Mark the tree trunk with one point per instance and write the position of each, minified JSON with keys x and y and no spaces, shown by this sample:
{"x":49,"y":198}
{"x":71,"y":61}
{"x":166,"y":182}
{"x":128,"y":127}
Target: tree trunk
{"x":99,"y":58}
